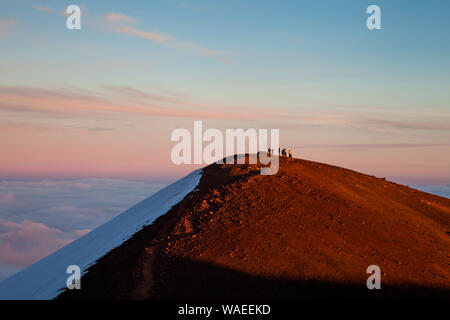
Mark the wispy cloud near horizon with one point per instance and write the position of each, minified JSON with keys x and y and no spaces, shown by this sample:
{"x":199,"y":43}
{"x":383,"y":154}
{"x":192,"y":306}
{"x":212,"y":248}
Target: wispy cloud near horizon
{"x":128,"y":100}
{"x":368,"y":146}
{"x":132,"y":101}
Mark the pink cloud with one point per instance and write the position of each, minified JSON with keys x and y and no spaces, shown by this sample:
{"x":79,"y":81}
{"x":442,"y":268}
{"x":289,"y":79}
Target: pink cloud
{"x":24,"y":99}
{"x":117,"y":22}
{"x":81,"y":233}
{"x":44,"y":9}
{"x":128,"y":100}
{"x":6,"y":198}
{"x":154,"y":36}
{"x":24,"y":243}
{"x":81,"y":185}
{"x":5,"y":26}
{"x":119,"y":17}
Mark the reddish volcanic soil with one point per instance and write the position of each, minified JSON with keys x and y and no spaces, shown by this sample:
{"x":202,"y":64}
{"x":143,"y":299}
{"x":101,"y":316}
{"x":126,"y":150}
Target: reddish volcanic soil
{"x":309,"y":231}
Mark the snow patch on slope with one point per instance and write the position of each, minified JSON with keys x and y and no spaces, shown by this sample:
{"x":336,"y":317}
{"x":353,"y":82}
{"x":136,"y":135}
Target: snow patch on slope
{"x":47,"y":278}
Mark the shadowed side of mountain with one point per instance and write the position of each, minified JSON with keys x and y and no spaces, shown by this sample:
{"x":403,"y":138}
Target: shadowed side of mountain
{"x":194,"y":279}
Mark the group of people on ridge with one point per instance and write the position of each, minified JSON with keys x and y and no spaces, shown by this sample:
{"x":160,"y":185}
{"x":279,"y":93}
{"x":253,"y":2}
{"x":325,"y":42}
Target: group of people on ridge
{"x":284,"y":152}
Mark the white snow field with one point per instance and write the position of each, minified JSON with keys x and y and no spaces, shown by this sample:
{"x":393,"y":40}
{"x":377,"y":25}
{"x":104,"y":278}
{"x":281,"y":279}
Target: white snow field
{"x":46,"y":278}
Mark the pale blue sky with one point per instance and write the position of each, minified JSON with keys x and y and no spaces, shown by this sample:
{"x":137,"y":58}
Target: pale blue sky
{"x":315,"y":60}
{"x":298,"y":50}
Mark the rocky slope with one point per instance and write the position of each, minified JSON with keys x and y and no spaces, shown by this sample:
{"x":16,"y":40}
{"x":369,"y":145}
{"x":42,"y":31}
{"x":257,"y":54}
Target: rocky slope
{"x":310,"y":231}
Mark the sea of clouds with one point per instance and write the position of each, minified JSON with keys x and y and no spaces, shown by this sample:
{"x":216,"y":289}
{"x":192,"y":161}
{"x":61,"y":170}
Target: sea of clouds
{"x":39,"y":217}
{"x":442,"y":190}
